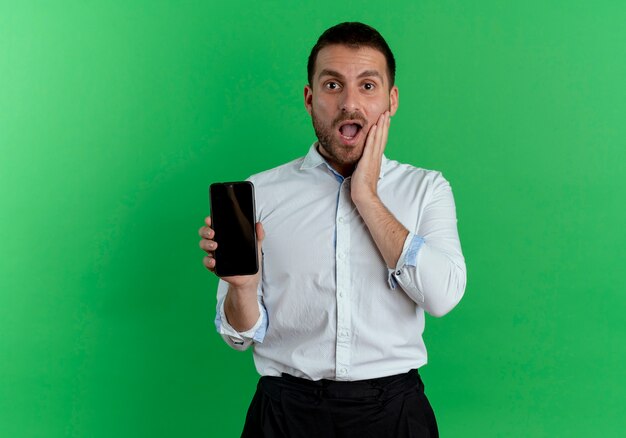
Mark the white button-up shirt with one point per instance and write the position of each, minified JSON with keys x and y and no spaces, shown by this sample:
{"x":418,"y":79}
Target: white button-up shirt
{"x":329,"y":306}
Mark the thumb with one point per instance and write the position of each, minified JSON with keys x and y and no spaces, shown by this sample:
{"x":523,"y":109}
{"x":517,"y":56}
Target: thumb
{"x":260,"y":233}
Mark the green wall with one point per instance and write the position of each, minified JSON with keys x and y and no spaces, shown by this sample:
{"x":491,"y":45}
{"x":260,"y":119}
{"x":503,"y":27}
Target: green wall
{"x":116,"y":116}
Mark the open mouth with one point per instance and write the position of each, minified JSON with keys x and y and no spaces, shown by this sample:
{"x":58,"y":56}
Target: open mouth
{"x":350,"y":129}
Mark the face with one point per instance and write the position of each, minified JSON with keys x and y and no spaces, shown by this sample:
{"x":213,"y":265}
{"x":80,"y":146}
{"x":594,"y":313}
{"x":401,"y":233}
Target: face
{"x":349,"y":91}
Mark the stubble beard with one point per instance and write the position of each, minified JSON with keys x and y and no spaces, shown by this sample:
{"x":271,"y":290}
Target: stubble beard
{"x":337,"y":152}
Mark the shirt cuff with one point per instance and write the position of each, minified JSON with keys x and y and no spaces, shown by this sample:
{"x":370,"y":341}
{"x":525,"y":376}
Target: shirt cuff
{"x":408,"y":257}
{"x":256,"y":333}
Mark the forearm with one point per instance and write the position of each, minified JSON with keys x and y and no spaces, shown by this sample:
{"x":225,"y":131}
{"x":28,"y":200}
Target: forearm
{"x":442,"y":278}
{"x":388,"y":233}
{"x":432,"y":269}
{"x":435,"y":279}
{"x":241,"y":308}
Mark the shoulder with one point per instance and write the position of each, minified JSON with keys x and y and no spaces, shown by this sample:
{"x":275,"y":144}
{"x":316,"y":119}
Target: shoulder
{"x":277,"y":174}
{"x":407,"y":173}
{"x":273,"y":186}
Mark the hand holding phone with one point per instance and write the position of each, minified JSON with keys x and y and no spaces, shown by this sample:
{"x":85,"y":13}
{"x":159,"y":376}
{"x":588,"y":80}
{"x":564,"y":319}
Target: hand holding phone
{"x":233,"y":222}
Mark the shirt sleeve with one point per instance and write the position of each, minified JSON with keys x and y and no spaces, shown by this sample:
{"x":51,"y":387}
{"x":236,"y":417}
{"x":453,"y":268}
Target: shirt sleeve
{"x":239,"y":340}
{"x":431,"y":267}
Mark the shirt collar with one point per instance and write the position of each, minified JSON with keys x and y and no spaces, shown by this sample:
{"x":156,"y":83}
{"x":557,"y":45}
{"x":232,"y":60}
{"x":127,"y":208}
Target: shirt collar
{"x":313,"y":159}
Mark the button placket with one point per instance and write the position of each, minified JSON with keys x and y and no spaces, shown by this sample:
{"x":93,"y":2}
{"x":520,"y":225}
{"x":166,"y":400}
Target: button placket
{"x":343,"y":353}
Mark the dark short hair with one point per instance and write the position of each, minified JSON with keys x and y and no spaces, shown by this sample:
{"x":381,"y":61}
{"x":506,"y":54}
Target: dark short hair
{"x":356,"y":35}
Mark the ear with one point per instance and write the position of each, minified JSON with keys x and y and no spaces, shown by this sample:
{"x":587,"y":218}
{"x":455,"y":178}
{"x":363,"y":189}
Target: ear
{"x":308,"y":98}
{"x":394,"y":100}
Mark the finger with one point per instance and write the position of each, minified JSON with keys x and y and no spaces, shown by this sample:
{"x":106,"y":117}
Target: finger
{"x":206,"y":232}
{"x":208,"y":245}
{"x":369,"y":142}
{"x":375,"y":133}
{"x":382,"y":124}
{"x":386,"y":131}
{"x":207,"y":220}
{"x":209,"y":263}
{"x":381,"y":138}
{"x":260,"y":232}
{"x":374,"y":150}
{"x":260,"y":235}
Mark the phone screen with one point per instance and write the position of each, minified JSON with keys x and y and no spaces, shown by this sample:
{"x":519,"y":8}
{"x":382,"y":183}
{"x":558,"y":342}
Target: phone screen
{"x":233,"y":220}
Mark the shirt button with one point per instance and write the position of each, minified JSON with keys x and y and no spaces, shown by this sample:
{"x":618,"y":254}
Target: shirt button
{"x":341,"y":294}
{"x":341,"y":256}
{"x":343,"y":371}
{"x":398,"y":272}
{"x":340,"y":220}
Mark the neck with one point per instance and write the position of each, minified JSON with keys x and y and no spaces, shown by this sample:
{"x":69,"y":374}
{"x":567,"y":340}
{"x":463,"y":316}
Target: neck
{"x":344,"y":170}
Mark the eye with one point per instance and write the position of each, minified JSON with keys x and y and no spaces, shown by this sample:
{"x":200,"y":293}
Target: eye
{"x":331,"y":85}
{"x":369,"y":86}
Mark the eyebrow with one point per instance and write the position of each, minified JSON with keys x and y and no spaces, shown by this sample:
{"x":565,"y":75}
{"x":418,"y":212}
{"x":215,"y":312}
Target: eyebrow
{"x":363,"y":74}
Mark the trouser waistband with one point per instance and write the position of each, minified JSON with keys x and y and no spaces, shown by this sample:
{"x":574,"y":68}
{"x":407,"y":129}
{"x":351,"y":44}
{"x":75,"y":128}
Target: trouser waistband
{"x":359,"y":389}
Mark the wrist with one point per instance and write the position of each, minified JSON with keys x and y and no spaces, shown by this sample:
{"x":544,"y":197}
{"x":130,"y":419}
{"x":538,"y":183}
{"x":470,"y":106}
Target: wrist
{"x":365,"y":200}
{"x":242,"y":291}
{"x":241,"y":308}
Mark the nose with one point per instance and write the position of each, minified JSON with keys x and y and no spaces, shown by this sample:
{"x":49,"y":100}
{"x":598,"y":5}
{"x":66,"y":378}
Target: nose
{"x":349,"y":101}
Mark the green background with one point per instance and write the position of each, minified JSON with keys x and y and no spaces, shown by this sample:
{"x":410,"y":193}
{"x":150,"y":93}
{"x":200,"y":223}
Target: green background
{"x":116,"y":116}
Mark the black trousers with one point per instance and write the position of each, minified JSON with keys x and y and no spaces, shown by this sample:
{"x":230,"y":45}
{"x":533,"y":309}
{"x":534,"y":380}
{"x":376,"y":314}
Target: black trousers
{"x":290,"y":407}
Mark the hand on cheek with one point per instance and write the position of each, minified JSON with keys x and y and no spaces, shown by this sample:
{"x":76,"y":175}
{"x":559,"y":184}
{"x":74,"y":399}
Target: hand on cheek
{"x":365,"y":177}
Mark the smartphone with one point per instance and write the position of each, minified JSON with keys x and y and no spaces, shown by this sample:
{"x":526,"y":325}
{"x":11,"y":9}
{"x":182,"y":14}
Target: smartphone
{"x":233,"y":220}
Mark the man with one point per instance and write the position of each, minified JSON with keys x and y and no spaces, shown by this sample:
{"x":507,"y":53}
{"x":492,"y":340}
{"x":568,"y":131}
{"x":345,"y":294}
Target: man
{"x":355,"y":248}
